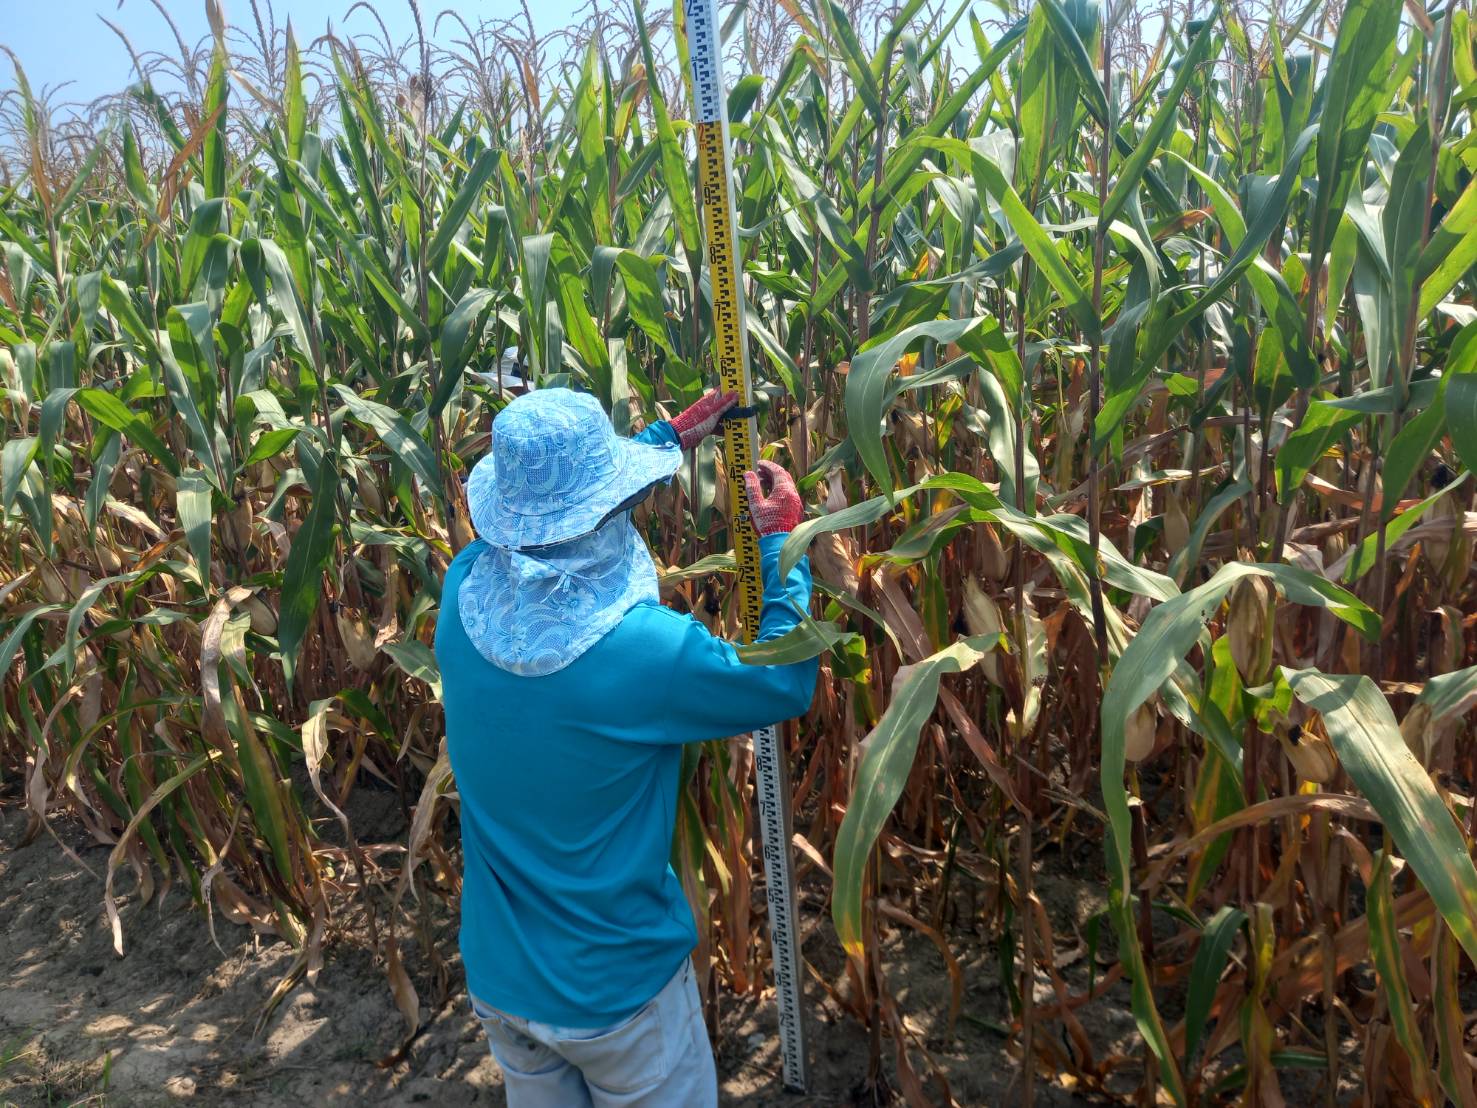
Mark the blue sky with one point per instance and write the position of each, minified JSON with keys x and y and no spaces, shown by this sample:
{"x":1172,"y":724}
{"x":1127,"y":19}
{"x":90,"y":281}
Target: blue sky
{"x":64,"y":40}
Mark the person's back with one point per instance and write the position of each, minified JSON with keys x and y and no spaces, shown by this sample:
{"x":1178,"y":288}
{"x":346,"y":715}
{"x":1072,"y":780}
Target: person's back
{"x":569,"y":691}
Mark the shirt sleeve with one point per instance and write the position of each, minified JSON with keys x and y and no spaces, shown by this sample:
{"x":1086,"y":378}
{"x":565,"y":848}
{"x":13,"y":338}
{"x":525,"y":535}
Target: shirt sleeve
{"x":712,"y":694}
{"x":660,"y":433}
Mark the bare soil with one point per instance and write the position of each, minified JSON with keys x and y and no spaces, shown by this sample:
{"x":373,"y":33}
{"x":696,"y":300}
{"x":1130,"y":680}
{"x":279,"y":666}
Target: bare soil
{"x":175,"y":1019}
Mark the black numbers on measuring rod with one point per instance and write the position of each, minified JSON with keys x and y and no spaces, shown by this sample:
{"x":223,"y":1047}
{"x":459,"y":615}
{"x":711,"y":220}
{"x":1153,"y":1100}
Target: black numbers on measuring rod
{"x":703,"y":48}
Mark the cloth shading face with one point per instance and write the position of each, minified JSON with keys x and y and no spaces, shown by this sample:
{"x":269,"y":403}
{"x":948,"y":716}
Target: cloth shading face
{"x":562,"y":563}
{"x":534,"y":612}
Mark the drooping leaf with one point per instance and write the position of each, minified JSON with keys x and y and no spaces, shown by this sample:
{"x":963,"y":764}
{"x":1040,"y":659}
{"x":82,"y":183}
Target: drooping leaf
{"x":887,"y":759}
{"x":396,"y":433}
{"x":1377,"y":759}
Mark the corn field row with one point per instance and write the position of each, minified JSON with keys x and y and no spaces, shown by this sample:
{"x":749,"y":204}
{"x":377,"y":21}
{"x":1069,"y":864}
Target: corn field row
{"x":1131,"y":366}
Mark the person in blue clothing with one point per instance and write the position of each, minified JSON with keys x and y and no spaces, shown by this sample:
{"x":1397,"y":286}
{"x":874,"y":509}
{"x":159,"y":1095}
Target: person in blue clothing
{"x":569,"y":691}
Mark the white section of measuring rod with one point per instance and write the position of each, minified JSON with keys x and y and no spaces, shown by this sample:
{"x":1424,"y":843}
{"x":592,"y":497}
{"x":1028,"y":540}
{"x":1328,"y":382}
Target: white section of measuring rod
{"x":774,"y":816}
{"x":703,"y":48}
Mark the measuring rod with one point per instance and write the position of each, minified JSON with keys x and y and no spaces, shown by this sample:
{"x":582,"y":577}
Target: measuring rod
{"x":739,"y":436}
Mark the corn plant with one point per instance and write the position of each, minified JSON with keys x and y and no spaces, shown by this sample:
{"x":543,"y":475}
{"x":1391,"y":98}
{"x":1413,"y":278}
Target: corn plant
{"x":1133,"y":381}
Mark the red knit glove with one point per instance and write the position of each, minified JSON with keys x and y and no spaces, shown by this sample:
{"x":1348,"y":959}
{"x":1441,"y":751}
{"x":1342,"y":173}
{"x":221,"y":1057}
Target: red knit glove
{"x":782,"y":510}
{"x":696,"y":423}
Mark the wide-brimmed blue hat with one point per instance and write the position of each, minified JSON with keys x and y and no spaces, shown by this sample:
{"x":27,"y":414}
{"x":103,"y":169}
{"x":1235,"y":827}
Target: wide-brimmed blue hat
{"x":557,"y":470}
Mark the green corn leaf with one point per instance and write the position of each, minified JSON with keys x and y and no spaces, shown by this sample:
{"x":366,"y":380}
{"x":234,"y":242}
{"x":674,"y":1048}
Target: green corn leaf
{"x":262,"y":781}
{"x":644,"y":298}
{"x":407,"y":447}
{"x":1366,"y":554}
{"x":1033,"y":236}
{"x":1461,"y":395}
{"x":373,"y":271}
{"x":111,"y":412}
{"x":1372,"y":752}
{"x":1389,"y":963}
{"x":415,"y":659}
{"x":458,"y":342}
{"x":1452,"y":1068}
{"x":1322,"y":426}
{"x":1037,"y":113}
{"x":1450,"y":693}
{"x":217,"y":138}
{"x":887,"y":760}
{"x":302,"y":579}
{"x":461,"y":206}
{"x":1089,"y":82}
{"x":853,"y":515}
{"x":1147,"y":145}
{"x":1410,"y":449}
{"x":295,"y":104}
{"x":182,"y":394}
{"x":1205,"y":974}
{"x":1404,"y":222}
{"x":809,"y":640}
{"x":192,"y":505}
{"x":270,"y":444}
{"x":1352,"y":96}
{"x":870,"y":391}
{"x":263,"y":259}
{"x":102,"y":477}
{"x":1150,"y":659}
{"x":16,"y":457}
{"x":674,"y":162}
{"x":1451,"y":252}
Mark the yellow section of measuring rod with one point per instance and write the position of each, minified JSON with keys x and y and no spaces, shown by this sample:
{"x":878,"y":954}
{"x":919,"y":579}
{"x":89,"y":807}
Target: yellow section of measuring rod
{"x":733,"y":369}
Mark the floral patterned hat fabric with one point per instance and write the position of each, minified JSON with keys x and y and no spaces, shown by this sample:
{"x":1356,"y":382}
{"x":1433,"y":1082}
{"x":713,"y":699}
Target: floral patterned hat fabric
{"x":557,"y":470}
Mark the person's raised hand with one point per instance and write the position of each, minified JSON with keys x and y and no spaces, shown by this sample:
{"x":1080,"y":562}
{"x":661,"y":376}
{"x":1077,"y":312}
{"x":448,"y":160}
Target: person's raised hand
{"x":774,"y":501}
{"x":695,"y":423}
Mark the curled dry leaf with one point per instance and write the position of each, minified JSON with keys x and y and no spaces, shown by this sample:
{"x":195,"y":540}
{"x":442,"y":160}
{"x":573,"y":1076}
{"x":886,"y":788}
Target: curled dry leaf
{"x":834,"y":557}
{"x":1448,"y":644}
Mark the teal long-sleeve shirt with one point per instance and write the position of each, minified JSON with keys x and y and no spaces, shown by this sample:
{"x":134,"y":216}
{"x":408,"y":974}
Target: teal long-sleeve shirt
{"x":571,"y":914}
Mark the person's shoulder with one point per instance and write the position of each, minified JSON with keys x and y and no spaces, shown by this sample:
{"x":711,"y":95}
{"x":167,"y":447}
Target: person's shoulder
{"x":655,"y":629}
{"x":460,"y":565}
{"x":654,"y":617}
{"x":465,"y":557}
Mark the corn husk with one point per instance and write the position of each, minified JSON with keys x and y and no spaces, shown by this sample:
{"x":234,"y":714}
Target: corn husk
{"x":238,"y":523}
{"x":1249,"y":627}
{"x":1334,"y":547}
{"x":994,"y":562}
{"x":834,"y":559}
{"x":1176,"y":522}
{"x":108,"y":560}
{"x":982,"y":617}
{"x":462,"y":532}
{"x":1310,"y":753}
{"x":51,"y":583}
{"x":358,"y":638}
{"x":263,"y":619}
{"x":1458,"y":564}
{"x":835,"y":491}
{"x":1139,"y":733}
